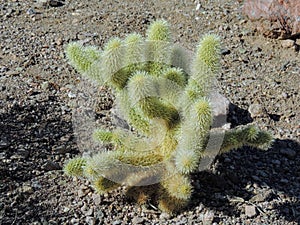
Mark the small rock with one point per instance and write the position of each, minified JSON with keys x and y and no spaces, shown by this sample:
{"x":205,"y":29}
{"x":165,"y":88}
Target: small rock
{"x":27,"y":189}
{"x":74,"y":221}
{"x":66,"y":209}
{"x":45,"y":85}
{"x":49,"y":166}
{"x":284,"y":181}
{"x":23,"y":153}
{"x":31,"y":11}
{"x":3,"y":144}
{"x":90,"y":220}
{"x":225,"y":52}
{"x":250,"y":210}
{"x":287,"y":43}
{"x":62,"y":149}
{"x":208,"y":217}
{"x":290,"y":153}
{"x":261,"y":197}
{"x":117,"y":222}
{"x":255,"y":110}
{"x":54,"y":3}
{"x":256,"y":178}
{"x":164,"y":216}
{"x":227,"y":160}
{"x":59,"y":41}
{"x":137,"y":220}
{"x":81,"y":193}
{"x":71,"y":95}
{"x":89,"y":212}
{"x":276,"y":162}
{"x":97,"y":199}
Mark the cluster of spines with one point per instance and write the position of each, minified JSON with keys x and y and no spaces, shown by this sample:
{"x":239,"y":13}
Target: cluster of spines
{"x":246,"y":136}
{"x":157,"y":99}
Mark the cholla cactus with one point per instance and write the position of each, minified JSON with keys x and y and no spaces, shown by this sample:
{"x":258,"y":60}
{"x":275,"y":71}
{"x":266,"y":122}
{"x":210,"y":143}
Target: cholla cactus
{"x":165,"y":100}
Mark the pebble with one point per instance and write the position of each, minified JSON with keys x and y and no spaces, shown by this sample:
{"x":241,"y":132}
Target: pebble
{"x":81,"y":193}
{"x":250,"y":210}
{"x":27,"y":189}
{"x":287,"y":43}
{"x":117,"y":222}
{"x":49,"y":166}
{"x":164,"y":216}
{"x":137,"y":220}
{"x":66,"y":209}
{"x":289,"y":153}
{"x":54,"y":3}
{"x":71,"y":95}
{"x":255,"y":110}
{"x":263,"y":196}
{"x":3,"y":144}
{"x":31,"y":11}
{"x":90,"y":220}
{"x":89,"y":212}
{"x":74,"y":221}
{"x":97,"y":199}
{"x":256,"y":178}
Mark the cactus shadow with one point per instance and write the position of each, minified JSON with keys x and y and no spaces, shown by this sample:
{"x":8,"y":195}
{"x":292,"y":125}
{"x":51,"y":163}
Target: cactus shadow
{"x":31,"y":135}
{"x":238,"y":116}
{"x":269,"y":180}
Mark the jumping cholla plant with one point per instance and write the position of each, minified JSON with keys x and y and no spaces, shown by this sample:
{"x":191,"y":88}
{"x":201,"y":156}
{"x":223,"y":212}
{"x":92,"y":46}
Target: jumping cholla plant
{"x":166,"y":101}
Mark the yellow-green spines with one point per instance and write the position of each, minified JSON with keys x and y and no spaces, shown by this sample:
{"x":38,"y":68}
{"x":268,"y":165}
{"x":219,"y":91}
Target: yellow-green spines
{"x":154,"y":108}
{"x":158,"y":46}
{"x":178,"y":186}
{"x":112,"y":62}
{"x":168,"y":144}
{"x":193,"y":91}
{"x":82,"y":57}
{"x":203,"y":113}
{"x":176,"y":75}
{"x":246,"y":136}
{"x":139,"y":159}
{"x":103,"y":185}
{"x":134,"y":45}
{"x":263,"y":140}
{"x":186,"y":160}
{"x":141,"y":85}
{"x":90,"y":172}
{"x":209,"y":52}
{"x":75,"y":167}
{"x":139,"y":122}
{"x":159,"y":31}
{"x":103,"y":136}
{"x":250,"y":133}
{"x":170,"y":204}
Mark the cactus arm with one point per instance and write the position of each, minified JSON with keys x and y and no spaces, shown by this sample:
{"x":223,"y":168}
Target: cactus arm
{"x":82,"y":58}
{"x":75,"y":167}
{"x":246,"y":136}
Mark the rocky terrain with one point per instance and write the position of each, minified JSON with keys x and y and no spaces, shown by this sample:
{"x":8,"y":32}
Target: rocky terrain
{"x":260,"y":76}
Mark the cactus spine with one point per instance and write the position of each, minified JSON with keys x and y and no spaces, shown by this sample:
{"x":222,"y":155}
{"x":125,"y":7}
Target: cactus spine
{"x":168,"y":108}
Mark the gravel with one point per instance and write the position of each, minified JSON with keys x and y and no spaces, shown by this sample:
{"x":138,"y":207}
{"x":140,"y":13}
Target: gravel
{"x":260,"y":77}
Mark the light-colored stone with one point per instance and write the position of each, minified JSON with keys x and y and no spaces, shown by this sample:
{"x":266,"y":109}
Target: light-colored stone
{"x":287,"y":43}
{"x":250,"y":210}
{"x":255,"y":110}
